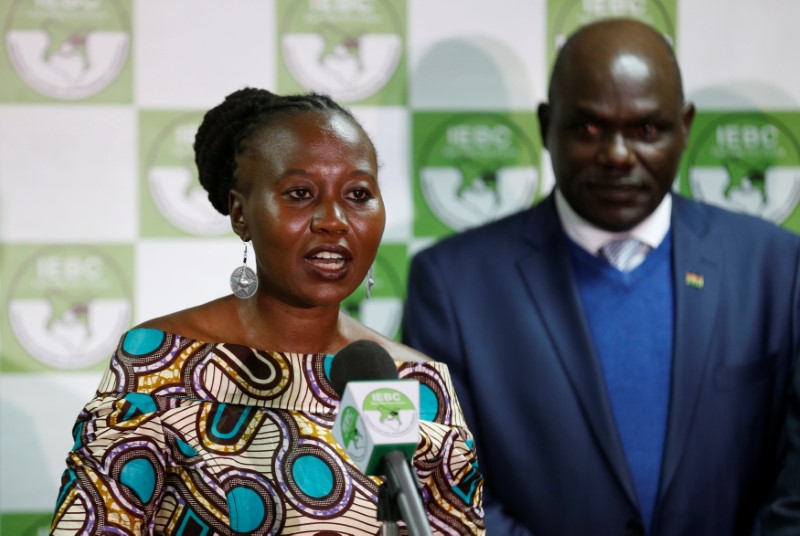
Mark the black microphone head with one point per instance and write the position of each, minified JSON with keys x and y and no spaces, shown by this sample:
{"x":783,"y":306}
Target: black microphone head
{"x":361,"y":360}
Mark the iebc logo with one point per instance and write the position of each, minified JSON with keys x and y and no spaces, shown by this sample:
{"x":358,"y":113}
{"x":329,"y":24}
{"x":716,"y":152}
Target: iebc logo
{"x":170,"y":177}
{"x":389,"y":411}
{"x":564,"y":17}
{"x":472,"y":168}
{"x":68,"y":304}
{"x":383,"y":311}
{"x":68,"y":49}
{"x":745,"y":161}
{"x":348,"y":49}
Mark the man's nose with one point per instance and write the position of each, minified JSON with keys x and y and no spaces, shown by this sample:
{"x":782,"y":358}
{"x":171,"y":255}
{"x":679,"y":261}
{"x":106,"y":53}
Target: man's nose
{"x":615,"y":150}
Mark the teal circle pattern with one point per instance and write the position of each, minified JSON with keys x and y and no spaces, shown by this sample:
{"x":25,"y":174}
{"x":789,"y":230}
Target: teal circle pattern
{"x":246,"y":509}
{"x":186,"y":449}
{"x":428,"y":403}
{"x":326,"y":366}
{"x":313,"y":476}
{"x":142,"y":341}
{"x":141,"y":403}
{"x":139,"y":475}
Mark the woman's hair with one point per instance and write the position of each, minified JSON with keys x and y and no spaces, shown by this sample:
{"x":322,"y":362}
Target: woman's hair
{"x":224,"y":127}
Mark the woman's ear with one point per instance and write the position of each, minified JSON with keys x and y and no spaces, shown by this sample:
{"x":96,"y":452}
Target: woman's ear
{"x":236,"y":210}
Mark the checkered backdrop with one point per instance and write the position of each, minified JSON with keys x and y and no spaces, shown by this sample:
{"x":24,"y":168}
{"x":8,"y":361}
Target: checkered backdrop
{"x":102,"y":224}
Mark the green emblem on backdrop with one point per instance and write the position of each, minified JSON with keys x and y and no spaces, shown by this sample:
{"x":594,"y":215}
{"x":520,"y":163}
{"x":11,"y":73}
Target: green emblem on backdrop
{"x":352,"y":50}
{"x":472,"y":168}
{"x":747,"y":162}
{"x":67,"y":50}
{"x":66,"y":305}
{"x":173,"y":203}
{"x":384,"y":310}
{"x":566,"y":16}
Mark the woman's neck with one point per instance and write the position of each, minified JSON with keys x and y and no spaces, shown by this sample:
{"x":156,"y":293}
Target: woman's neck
{"x":272,"y":325}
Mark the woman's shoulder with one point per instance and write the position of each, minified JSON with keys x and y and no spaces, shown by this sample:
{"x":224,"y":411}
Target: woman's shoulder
{"x":217,"y":321}
{"x":401,"y":352}
{"x":200,"y":322}
{"x":355,"y":330}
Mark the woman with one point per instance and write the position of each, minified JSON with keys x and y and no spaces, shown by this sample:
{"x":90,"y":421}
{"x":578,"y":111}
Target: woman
{"x":217,"y":419}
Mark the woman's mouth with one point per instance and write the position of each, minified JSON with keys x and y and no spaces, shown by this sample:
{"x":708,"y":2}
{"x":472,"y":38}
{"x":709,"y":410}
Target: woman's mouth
{"x":327,"y":260}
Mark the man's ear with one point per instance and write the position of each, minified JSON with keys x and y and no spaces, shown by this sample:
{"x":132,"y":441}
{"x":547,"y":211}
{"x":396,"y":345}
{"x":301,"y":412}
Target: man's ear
{"x":687,"y":116}
{"x":236,"y":210}
{"x":544,"y":121}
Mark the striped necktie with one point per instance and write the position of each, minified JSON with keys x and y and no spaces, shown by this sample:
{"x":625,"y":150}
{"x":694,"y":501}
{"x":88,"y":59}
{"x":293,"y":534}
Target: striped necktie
{"x":624,"y":254}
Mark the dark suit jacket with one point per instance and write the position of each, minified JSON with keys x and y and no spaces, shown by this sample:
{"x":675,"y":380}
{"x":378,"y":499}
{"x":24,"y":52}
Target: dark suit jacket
{"x":500,"y":306}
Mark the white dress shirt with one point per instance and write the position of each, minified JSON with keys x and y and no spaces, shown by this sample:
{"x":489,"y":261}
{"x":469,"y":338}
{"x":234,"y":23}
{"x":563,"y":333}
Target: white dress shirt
{"x":651,"y":231}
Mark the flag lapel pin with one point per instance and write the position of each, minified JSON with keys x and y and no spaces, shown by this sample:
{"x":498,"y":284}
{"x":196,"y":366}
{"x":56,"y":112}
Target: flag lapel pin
{"x":694,"y":280}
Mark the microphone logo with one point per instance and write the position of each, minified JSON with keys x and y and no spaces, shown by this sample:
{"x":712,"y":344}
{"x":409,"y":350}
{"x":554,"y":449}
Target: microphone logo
{"x":377,"y":417}
{"x":389,"y":411}
{"x":353,"y":434}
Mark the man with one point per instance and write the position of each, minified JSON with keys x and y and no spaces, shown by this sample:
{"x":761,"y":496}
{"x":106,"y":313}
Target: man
{"x":644,"y":399}
{"x":782,"y":517}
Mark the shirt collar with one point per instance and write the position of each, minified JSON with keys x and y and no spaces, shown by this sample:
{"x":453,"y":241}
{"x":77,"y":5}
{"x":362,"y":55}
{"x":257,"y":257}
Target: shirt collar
{"x":651,"y":230}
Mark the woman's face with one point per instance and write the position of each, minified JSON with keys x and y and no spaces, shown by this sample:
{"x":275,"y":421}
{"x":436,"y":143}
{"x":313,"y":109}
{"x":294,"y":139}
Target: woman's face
{"x":307,"y":196}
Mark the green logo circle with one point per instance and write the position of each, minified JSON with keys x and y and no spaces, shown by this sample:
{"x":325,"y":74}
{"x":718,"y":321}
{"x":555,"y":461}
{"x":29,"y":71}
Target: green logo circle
{"x":747,"y":162}
{"x":476,"y":168}
{"x":67,"y":305}
{"x":383,"y":311}
{"x":172,"y":180}
{"x":568,"y":16}
{"x":353,"y":436}
{"x":347,"y":49}
{"x":389,"y":411}
{"x":68,"y":49}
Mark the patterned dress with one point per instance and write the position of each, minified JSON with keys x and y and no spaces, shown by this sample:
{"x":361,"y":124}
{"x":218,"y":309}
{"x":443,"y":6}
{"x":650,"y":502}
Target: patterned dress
{"x":193,"y":438}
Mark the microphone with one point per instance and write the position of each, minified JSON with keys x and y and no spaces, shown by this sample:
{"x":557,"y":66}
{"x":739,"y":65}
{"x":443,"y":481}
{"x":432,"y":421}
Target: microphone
{"x":361,"y":360}
{"x":378,"y":426}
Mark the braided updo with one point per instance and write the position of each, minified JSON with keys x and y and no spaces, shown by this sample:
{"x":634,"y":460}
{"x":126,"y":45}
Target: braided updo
{"x":224,"y":127}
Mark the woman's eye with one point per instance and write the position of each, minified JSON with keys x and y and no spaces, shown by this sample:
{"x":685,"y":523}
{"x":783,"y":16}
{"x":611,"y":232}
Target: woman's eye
{"x":361,"y":195}
{"x":300,"y":193}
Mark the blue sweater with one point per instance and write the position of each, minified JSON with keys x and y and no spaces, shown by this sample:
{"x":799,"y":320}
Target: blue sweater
{"x":630,"y":317}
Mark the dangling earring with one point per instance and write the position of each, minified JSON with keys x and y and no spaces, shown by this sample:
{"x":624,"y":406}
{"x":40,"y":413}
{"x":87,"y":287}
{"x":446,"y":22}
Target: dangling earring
{"x":368,"y":282}
{"x":243,"y":279}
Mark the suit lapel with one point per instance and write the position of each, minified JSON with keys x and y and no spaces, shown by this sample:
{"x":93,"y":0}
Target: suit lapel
{"x":697,"y":264}
{"x":546,"y":270}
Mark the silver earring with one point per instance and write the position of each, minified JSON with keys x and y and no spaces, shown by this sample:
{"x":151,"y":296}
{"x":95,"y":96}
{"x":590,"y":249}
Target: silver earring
{"x":243,"y":279}
{"x":368,"y":282}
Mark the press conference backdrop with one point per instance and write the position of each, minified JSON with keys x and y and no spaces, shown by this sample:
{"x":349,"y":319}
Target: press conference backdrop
{"x":103,"y":224}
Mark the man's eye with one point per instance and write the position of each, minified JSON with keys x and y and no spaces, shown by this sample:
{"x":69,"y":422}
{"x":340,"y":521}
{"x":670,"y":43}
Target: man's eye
{"x":648,"y":131}
{"x":588,"y":129}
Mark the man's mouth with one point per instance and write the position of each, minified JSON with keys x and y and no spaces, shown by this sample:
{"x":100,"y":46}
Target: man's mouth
{"x":623,"y":189}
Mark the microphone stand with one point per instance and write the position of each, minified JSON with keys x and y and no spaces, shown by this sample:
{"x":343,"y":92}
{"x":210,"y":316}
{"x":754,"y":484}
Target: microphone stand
{"x":387,"y":511}
{"x":399,"y":498}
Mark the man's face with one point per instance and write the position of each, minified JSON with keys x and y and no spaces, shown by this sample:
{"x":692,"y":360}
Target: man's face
{"x":615,"y":130}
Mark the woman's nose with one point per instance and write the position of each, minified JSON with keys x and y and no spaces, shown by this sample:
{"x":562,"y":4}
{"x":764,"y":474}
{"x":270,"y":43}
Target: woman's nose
{"x":329,"y":218}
